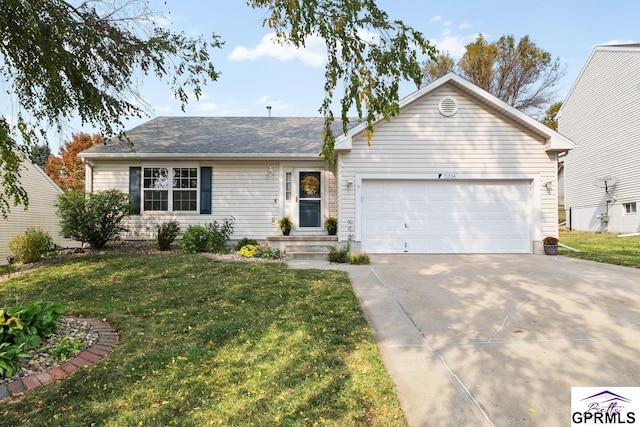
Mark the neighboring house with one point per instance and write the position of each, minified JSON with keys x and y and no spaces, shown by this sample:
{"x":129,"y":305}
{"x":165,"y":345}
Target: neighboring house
{"x":601,"y":114}
{"x":458,"y":171}
{"x":41,"y":213}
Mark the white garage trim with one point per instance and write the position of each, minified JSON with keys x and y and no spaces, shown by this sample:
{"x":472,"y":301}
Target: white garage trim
{"x":533,"y":181}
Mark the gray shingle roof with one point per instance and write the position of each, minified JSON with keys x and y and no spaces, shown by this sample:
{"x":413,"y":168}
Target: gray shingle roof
{"x":223,"y":135}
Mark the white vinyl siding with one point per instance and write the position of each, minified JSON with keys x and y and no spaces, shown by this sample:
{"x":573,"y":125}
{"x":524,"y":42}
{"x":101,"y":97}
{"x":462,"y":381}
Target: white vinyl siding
{"x":602,"y":116}
{"x":476,"y":141}
{"x":244,"y":190}
{"x":43,"y":196}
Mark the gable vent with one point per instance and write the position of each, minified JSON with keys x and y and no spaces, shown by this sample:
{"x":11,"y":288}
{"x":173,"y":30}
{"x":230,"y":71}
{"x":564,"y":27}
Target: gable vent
{"x":448,"y":106}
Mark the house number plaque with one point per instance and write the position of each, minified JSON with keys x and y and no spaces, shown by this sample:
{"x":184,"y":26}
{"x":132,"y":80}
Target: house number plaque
{"x":447,"y":175}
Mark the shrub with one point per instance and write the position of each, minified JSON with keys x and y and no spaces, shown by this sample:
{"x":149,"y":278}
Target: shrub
{"x":195,"y":239}
{"x":248,"y":251}
{"x":31,"y":245}
{"x":211,"y":237}
{"x":94,"y":218}
{"x":340,"y":255}
{"x":219,"y":235}
{"x":361,"y":258}
{"x":244,"y":242}
{"x":167,"y":233}
{"x":266,"y":252}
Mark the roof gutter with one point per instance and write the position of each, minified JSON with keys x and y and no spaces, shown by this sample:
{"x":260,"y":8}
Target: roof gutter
{"x":87,"y":157}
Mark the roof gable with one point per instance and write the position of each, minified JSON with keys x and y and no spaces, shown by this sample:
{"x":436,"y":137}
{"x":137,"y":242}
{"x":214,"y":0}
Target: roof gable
{"x":554,"y":141}
{"x":597,"y":51}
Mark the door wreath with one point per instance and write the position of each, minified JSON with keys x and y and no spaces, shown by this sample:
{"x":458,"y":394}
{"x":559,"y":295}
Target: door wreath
{"x":310,"y":185}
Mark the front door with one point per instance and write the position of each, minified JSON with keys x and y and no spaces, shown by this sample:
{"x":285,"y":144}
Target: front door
{"x":310,"y":199}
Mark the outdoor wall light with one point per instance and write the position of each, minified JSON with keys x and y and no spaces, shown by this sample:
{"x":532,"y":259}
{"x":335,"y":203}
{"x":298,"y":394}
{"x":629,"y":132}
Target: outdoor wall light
{"x":350,"y":183}
{"x":270,"y":171}
{"x":547,"y":185}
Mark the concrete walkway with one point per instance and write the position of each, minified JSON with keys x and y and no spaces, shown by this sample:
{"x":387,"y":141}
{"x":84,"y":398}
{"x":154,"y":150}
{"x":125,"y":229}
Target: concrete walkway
{"x":498,"y":340}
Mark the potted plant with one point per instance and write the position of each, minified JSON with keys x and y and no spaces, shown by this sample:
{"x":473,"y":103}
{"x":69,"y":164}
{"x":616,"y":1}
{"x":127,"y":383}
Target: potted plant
{"x":285,"y":224}
{"x":331,"y":224}
{"x":550,"y":245}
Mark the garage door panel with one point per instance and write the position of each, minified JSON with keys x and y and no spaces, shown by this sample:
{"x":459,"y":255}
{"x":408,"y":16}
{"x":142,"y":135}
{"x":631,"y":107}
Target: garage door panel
{"x":446,"y":216}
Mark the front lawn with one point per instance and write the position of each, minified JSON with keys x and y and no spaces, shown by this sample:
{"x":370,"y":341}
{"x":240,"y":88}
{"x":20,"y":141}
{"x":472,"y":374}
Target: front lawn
{"x":205,"y":342}
{"x":602,"y":247}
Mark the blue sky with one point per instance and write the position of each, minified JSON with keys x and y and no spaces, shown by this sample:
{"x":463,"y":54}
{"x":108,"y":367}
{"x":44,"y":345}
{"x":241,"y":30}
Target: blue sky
{"x":257,"y":73}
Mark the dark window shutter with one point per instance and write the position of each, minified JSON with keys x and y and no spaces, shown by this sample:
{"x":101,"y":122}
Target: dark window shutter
{"x":135,"y":174}
{"x":205,"y":190}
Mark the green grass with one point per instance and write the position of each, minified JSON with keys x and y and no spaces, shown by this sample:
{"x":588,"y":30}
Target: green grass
{"x":205,"y":342}
{"x":7,"y":269}
{"x":602,"y":247}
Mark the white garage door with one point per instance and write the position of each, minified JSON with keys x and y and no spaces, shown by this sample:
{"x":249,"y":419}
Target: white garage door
{"x":452,"y":216}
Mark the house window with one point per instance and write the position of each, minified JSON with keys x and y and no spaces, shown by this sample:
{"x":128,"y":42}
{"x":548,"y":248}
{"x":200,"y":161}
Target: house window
{"x":287,"y":186}
{"x":156,"y":189}
{"x":629,"y":208}
{"x":175,"y":187}
{"x":185,"y":189}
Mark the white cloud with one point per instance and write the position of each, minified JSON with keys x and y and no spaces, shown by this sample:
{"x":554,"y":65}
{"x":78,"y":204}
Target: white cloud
{"x":447,"y":23}
{"x":464,"y":26}
{"x":207,"y":106}
{"x":436,"y":18}
{"x":313,"y":54}
{"x":455,"y":45}
{"x":276,"y":105}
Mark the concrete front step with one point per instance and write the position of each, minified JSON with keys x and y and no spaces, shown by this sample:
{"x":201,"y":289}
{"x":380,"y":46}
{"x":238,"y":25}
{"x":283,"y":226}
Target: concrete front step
{"x":324,"y":256}
{"x":312,"y":247}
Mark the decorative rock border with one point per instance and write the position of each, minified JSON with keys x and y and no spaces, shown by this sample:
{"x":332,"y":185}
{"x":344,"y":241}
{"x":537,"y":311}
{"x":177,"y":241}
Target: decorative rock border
{"x":107,"y":340}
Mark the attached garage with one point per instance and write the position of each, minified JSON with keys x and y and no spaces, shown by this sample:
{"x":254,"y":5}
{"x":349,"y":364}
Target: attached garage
{"x":446,"y":216}
{"x":457,"y":171}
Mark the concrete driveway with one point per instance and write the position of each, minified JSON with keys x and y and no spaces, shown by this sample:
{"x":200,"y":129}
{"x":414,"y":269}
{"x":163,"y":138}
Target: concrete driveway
{"x":499,"y":340}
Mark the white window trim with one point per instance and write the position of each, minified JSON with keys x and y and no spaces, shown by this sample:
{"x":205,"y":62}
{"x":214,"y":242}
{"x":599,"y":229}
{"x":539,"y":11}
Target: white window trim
{"x":170,"y":167}
{"x":630,"y":205}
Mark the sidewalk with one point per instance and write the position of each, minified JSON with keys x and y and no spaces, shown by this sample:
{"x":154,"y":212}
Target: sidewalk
{"x":419,"y":373}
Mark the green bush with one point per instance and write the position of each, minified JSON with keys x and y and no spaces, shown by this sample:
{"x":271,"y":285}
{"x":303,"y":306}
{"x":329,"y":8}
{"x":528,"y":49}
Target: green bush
{"x":94,"y":218}
{"x":266,"y":252}
{"x":31,"y":245}
{"x":210,"y":237}
{"x":340,"y":255}
{"x":167,"y":233}
{"x":195,"y":239}
{"x":244,"y":242}
{"x":219,"y":235}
